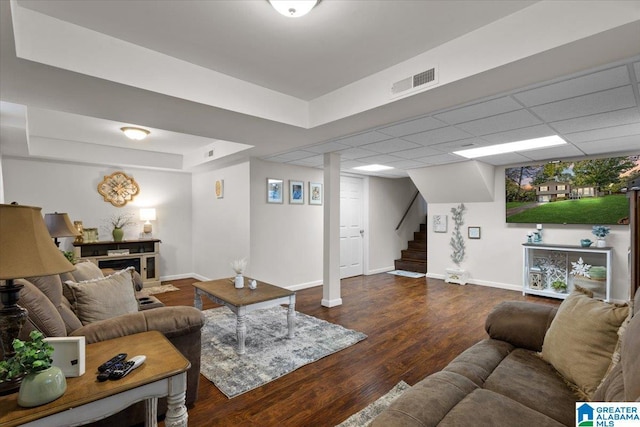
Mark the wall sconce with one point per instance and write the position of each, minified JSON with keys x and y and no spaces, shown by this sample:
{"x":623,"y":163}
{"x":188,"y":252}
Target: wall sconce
{"x":147,"y":214}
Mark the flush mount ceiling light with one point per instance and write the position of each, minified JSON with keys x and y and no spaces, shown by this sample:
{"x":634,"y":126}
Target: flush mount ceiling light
{"x":511,"y":147}
{"x":137,"y":134}
{"x":293,"y":8}
{"x":373,"y":168}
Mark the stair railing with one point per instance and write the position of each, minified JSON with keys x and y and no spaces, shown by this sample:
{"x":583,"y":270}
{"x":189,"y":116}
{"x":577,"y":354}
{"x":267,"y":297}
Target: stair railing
{"x":406,"y":212}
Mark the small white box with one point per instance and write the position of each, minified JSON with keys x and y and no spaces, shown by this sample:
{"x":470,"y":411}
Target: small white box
{"x":68,"y":354}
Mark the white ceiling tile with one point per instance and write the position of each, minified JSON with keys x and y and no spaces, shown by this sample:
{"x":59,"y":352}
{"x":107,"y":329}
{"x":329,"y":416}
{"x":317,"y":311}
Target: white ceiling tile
{"x":313,"y":161}
{"x":407,"y":164}
{"x":413,"y":126}
{"x":293,"y":155}
{"x":441,"y":159}
{"x":499,"y":123}
{"x":381,"y":159}
{"x":594,"y":103}
{"x":504,"y":159}
{"x":538,"y":131}
{"x":597,"y":121}
{"x":417,"y":153}
{"x":606,"y":133}
{"x":437,"y":136}
{"x":636,"y":68}
{"x":356,"y":153}
{"x":364,"y":138}
{"x":478,"y":111}
{"x":350,"y":164}
{"x":553,"y":153}
{"x":602,"y":80}
{"x":622,"y":144}
{"x":460,"y":144}
{"x":390,"y":145}
{"x":327,"y":147}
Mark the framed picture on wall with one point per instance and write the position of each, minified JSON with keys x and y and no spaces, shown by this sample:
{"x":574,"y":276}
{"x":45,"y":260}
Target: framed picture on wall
{"x":315,"y":193}
{"x":274,"y":190}
{"x":296,"y":192}
{"x":440,"y":223}
{"x":474,"y":232}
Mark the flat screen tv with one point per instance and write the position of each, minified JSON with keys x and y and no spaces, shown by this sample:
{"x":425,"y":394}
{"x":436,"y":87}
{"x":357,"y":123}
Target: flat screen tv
{"x":572,"y":192}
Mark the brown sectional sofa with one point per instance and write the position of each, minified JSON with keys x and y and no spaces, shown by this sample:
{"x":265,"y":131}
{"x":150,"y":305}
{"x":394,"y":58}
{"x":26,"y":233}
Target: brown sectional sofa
{"x":503,"y":380}
{"x":51,"y":313}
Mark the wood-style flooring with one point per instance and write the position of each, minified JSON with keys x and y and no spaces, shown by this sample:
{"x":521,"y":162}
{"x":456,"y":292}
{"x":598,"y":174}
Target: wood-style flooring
{"x":414,"y":327}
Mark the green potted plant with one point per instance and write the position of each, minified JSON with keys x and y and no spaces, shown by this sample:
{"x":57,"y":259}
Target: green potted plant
{"x":559,"y":286}
{"x":41,"y":382}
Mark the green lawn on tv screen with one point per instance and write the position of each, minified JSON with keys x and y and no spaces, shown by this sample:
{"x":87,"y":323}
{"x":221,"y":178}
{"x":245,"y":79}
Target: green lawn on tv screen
{"x":592,"y":210}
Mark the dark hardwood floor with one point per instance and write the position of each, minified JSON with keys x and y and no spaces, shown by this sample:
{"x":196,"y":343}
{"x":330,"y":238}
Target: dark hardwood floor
{"x":414,"y":327}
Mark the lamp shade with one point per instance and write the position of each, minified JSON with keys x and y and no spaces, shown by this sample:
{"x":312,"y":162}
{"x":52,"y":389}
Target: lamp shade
{"x":148,"y":214}
{"x":26,"y":248}
{"x":59,"y":225}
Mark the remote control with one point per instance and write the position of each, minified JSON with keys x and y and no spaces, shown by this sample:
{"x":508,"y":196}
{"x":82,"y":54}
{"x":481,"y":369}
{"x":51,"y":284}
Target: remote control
{"x":109,"y":363}
{"x":129,"y":366}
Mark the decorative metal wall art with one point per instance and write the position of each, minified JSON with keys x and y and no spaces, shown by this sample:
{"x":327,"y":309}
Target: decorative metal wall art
{"x":118,"y":189}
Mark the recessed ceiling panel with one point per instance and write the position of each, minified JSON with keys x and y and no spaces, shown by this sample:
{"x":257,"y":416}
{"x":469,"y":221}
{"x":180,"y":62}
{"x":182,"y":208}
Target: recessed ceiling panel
{"x":407,"y":164}
{"x":603,"y":80}
{"x":356,"y":153}
{"x":594,"y":103}
{"x":532,"y":132}
{"x":478,"y":111}
{"x":442,"y":159}
{"x":622,"y":144}
{"x":327,"y":147}
{"x":504,"y":159}
{"x":364,"y":138}
{"x":460,"y":144}
{"x":500,"y":123}
{"x":597,"y":121}
{"x":437,"y":136}
{"x":414,"y":126}
{"x":382,"y":159}
{"x":291,"y":155}
{"x":312,"y":162}
{"x":554,"y":153}
{"x":416,"y":153}
{"x":606,"y":133}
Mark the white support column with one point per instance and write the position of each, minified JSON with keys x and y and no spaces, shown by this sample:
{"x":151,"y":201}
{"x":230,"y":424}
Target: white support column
{"x":331,"y":245}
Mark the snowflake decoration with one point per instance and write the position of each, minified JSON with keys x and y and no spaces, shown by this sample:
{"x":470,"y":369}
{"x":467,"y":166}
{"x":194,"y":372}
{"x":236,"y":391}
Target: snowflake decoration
{"x":580,"y":268}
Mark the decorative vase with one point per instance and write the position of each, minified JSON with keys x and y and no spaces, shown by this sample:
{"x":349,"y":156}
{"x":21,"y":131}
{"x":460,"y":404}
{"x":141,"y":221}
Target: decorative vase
{"x":239,"y":281}
{"x":118,"y":234}
{"x":42,"y":387}
{"x":601,"y":243}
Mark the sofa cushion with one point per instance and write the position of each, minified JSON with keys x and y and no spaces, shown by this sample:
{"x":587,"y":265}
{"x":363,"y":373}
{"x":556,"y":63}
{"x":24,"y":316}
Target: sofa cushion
{"x":612,"y":387}
{"x":52,"y":287}
{"x":478,"y":361}
{"x":486,"y":408}
{"x":582,"y":338}
{"x":524,"y":377}
{"x":86,"y":271}
{"x":630,"y":360}
{"x":103,"y":298}
{"x":43,"y":315}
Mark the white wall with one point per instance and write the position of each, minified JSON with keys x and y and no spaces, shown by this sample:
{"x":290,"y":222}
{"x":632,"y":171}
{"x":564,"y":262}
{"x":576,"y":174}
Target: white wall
{"x":72,"y":188}
{"x":221,"y":227}
{"x":388,"y":200}
{"x":496,"y":259}
{"x":286,"y":239}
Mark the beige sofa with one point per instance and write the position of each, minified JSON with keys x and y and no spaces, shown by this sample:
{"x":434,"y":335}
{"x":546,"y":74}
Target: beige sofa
{"x":52,"y":312}
{"x":508,"y":380}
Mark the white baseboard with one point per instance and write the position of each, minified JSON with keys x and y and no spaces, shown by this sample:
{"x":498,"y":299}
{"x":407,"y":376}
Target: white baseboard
{"x":331,"y":303}
{"x":379,"y":270}
{"x":302,"y":286}
{"x":487,"y":283}
{"x":183,"y":276}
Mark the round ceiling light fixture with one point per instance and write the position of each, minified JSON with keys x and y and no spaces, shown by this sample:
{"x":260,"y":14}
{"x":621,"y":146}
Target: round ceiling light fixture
{"x":137,"y":134}
{"x":293,"y":8}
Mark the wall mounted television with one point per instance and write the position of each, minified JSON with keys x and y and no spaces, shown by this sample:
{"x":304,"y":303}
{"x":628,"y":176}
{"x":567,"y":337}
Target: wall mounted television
{"x":571,"y":192}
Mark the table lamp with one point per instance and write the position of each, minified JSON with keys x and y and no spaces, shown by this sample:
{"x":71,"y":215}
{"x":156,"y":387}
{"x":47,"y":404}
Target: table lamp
{"x":148,"y":214}
{"x":26,"y":250}
{"x":59,"y":225}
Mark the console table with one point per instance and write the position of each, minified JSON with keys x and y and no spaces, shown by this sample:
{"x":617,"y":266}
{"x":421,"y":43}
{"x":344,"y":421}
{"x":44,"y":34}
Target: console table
{"x":143,"y":255}
{"x":545,"y":264}
{"x":164,"y":373}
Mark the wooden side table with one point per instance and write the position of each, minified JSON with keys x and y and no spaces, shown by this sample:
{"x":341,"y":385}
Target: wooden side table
{"x":87,"y":400}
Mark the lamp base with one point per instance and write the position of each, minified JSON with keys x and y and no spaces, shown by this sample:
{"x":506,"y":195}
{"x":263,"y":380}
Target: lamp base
{"x":12,"y":317}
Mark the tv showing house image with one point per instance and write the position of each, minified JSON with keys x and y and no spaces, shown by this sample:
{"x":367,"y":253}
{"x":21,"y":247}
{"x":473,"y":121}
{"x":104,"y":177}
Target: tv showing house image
{"x":574,"y":192}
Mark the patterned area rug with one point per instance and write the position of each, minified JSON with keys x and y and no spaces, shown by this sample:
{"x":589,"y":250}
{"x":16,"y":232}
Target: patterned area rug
{"x":152,"y":290}
{"x":269,"y":353}
{"x":365,"y":416}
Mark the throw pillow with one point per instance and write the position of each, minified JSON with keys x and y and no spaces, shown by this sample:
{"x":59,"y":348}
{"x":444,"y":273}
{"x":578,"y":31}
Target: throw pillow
{"x":582,"y":338}
{"x":103,"y":298}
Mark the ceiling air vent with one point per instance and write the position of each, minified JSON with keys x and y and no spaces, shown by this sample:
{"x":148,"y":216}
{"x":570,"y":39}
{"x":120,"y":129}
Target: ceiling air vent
{"x":414,"y":83}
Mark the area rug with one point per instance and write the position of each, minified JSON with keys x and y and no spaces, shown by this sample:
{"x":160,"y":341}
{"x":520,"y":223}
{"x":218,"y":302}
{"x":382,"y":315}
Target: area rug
{"x":404,"y":273}
{"x":269,"y":353}
{"x":153,"y":290}
{"x":364,"y":417}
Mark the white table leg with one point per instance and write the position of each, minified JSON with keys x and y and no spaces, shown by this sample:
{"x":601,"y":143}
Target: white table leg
{"x":151,"y":412}
{"x":241,"y":330}
{"x":291,"y":316}
{"x":177,"y":415}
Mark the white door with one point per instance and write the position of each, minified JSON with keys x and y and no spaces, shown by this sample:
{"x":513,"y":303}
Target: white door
{"x":351,"y":226}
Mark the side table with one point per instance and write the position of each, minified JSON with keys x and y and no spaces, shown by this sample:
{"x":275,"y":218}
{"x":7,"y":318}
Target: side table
{"x":87,"y":400}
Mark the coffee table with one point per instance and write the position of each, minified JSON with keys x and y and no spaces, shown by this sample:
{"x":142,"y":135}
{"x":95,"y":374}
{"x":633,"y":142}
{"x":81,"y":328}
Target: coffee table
{"x":86,"y":400}
{"x":244,"y":300}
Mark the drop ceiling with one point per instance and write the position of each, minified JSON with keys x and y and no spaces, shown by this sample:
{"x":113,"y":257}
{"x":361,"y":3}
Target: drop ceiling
{"x":317,"y":84}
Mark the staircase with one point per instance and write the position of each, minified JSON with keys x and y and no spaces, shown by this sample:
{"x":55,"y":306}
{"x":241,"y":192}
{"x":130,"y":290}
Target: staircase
{"x":415,"y":257}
